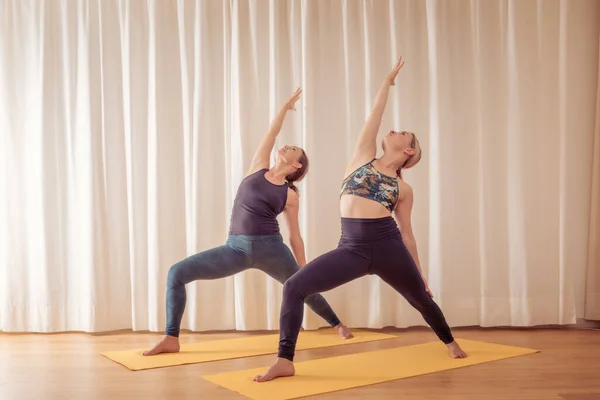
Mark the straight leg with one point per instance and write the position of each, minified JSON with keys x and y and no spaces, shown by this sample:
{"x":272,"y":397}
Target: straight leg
{"x":395,"y":266}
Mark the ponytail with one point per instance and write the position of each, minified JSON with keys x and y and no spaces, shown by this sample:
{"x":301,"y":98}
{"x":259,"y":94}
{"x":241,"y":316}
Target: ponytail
{"x":299,"y":173}
{"x":293,"y":187}
{"x":399,"y":170}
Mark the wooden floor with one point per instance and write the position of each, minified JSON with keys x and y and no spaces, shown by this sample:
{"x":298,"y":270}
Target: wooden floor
{"x":68,"y":366}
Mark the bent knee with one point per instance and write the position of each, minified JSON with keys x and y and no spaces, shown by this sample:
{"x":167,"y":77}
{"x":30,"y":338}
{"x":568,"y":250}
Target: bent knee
{"x":292,"y":288}
{"x":175,"y":274}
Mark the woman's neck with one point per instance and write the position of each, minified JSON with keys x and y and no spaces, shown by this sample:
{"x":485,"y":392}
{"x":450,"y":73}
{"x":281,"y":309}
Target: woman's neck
{"x":279,"y":172}
{"x":391,"y":162}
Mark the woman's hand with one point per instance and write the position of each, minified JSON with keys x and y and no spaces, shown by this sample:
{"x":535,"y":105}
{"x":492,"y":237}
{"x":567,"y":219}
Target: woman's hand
{"x":290,"y":104}
{"x":392,"y":76}
{"x":366,"y":146}
{"x":427,"y":287}
{"x":261,"y":155}
{"x":428,"y":291}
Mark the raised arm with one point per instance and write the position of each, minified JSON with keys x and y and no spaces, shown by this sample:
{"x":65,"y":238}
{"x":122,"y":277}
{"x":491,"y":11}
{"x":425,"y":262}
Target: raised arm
{"x":260,"y":159}
{"x":291,"y":218}
{"x":402,"y":214}
{"x":366,"y":146}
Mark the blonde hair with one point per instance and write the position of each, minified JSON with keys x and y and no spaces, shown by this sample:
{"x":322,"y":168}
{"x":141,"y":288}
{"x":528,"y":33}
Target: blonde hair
{"x":411,"y":161}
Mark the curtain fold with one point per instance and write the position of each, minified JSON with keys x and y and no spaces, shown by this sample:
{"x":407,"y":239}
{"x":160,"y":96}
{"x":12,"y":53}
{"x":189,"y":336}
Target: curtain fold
{"x":592,"y":294}
{"x":126,"y":128}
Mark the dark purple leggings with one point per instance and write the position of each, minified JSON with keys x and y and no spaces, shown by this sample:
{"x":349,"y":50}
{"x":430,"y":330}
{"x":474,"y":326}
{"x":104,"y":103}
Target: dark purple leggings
{"x":367,"y":246}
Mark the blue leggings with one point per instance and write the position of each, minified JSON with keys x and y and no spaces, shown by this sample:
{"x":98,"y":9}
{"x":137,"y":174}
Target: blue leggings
{"x":267,"y":253}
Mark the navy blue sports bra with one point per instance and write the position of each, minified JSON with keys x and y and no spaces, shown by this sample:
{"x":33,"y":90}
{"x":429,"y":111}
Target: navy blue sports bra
{"x":367,"y":182}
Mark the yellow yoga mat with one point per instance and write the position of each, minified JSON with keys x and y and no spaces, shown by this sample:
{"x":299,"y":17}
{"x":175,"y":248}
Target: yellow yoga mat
{"x":227,"y":349}
{"x":362,"y":369}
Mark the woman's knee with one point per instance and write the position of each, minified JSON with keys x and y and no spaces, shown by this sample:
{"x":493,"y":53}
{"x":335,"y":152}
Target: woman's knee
{"x":421,"y":301}
{"x":293,"y":288}
{"x":174,"y":276}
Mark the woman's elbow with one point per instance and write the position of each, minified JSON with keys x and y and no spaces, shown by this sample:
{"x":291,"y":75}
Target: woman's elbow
{"x":408,"y":238}
{"x":295,"y":239}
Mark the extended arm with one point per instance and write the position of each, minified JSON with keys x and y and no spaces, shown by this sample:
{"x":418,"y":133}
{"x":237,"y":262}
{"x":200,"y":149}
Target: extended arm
{"x":402,"y":214}
{"x":260,"y":159}
{"x":291,"y":217}
{"x":366,"y":146}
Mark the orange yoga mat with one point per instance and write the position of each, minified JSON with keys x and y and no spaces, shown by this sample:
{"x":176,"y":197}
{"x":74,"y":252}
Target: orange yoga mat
{"x":362,"y":369}
{"x":236,"y":348}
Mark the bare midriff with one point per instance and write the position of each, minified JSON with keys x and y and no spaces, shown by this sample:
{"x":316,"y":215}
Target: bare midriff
{"x":352,"y":206}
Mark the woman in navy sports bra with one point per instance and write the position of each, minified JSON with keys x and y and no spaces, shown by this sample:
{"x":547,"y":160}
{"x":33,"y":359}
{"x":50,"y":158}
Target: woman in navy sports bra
{"x":371,"y":242}
{"x":254,"y":240}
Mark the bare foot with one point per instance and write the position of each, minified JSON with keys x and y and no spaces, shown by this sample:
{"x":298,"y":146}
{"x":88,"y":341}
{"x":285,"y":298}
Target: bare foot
{"x":280,"y":369}
{"x":344,"y":332}
{"x":168,"y":344}
{"x":455,"y":351}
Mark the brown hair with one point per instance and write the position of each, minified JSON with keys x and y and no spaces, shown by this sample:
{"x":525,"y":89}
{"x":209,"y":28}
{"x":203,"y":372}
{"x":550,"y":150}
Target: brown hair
{"x":412,"y":160}
{"x":299,"y":173}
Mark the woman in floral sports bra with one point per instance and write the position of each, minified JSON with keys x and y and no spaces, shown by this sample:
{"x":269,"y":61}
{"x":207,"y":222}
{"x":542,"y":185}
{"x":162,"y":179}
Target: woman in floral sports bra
{"x":372,"y":241}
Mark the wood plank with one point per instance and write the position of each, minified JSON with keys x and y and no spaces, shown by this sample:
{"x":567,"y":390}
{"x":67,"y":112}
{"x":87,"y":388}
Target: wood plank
{"x":69,"y":366}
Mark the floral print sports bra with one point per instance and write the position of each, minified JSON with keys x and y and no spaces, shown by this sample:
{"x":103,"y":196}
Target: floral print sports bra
{"x":367,"y":182}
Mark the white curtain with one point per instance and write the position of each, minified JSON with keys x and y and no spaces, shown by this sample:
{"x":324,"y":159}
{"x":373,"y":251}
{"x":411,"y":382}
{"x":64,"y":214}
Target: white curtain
{"x":126,"y":127}
{"x":592,"y":300}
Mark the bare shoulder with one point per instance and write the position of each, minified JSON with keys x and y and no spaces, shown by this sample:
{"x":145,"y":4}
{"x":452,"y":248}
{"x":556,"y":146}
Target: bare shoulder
{"x":355,"y":164}
{"x":293,"y":200}
{"x":254,"y":168}
{"x":405,"y":190}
